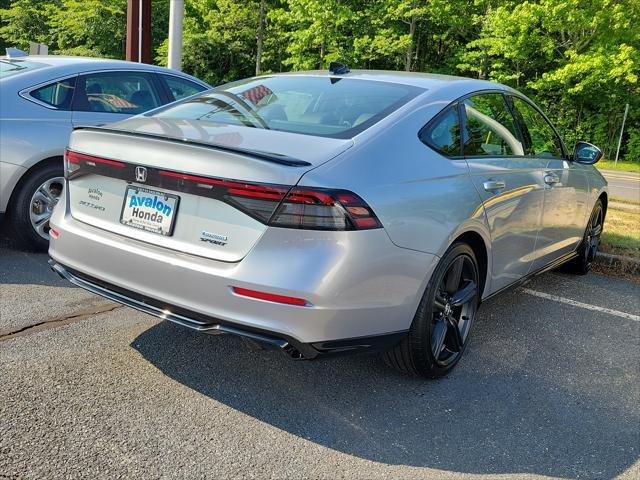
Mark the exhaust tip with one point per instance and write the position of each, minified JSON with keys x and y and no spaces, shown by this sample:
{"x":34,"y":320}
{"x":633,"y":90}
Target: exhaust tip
{"x":293,"y":352}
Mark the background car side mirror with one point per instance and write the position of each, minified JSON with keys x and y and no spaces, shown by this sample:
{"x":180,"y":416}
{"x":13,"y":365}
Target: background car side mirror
{"x":586,"y":153}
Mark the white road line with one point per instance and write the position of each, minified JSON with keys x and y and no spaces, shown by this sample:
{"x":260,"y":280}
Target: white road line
{"x":595,"y":308}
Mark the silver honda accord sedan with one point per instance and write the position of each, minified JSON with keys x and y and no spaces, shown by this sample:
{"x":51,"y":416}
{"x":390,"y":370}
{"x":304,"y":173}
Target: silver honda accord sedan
{"x":41,"y":99}
{"x":328,"y":212}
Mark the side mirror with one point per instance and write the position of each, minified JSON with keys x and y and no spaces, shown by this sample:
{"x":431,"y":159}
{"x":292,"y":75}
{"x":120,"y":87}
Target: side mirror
{"x":586,"y":153}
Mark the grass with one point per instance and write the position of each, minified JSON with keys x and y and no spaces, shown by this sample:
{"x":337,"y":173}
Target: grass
{"x":624,"y":166}
{"x":624,"y":200}
{"x":621,"y":233}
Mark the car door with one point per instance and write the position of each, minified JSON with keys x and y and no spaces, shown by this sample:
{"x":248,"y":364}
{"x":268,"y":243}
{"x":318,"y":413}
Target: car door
{"x":106,"y":97}
{"x":510,"y":184}
{"x":566,"y":192}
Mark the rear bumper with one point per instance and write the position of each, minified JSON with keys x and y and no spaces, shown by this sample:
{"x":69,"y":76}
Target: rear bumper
{"x":357,"y":284}
{"x":292,"y":347}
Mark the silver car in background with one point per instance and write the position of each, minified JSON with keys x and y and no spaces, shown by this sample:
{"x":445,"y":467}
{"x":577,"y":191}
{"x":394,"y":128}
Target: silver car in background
{"x":41,"y":99}
{"x":328,"y":212}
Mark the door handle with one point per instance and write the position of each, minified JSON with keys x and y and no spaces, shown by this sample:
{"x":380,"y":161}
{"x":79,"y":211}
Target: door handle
{"x":551,"y":179}
{"x":493,"y":185}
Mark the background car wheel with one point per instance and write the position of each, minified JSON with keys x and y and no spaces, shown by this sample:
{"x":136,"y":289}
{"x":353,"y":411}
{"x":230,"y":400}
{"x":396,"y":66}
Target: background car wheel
{"x":440,"y":329}
{"x":588,"y":248}
{"x":33,"y":204}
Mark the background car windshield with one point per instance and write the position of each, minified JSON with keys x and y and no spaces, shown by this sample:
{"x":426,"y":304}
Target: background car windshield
{"x":321,"y":106}
{"x":14,"y":67}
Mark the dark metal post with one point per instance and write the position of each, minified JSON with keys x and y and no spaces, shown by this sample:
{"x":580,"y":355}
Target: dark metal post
{"x":139,"y":31}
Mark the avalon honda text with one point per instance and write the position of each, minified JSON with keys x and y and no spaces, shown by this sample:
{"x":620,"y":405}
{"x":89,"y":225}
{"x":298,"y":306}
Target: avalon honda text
{"x":328,"y":212}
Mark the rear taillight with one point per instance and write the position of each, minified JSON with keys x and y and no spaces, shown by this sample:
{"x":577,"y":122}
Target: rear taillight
{"x":284,"y":206}
{"x":257,"y":200}
{"x":74,"y":161}
{"x":71,"y":164}
{"x":275,"y":205}
{"x":324,"y":209}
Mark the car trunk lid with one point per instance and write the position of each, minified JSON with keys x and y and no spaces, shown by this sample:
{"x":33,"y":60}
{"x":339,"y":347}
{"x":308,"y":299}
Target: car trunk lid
{"x":206,"y":191}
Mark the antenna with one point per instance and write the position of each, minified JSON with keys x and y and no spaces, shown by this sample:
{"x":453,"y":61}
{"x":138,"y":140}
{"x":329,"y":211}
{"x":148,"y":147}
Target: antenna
{"x":16,"y":53}
{"x":338,"y":68}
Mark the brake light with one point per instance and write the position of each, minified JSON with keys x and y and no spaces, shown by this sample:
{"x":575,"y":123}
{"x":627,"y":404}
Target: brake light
{"x":284,"y":206}
{"x":270,"y":297}
{"x":74,"y":161}
{"x":324,"y":209}
{"x":272,"y":204}
{"x":257,"y":200}
{"x":71,"y":164}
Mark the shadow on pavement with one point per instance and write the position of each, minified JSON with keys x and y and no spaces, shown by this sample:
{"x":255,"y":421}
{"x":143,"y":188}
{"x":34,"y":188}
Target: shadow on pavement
{"x":525,"y":399}
{"x":20,"y":266}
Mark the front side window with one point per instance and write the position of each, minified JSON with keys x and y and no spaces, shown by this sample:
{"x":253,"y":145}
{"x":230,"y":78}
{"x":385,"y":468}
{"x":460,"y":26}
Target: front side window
{"x":540,"y":139}
{"x":116,"y":92}
{"x":181,"y":88}
{"x":443,"y":134}
{"x":321,"y":106}
{"x":57,"y":94}
{"x":490,"y":127}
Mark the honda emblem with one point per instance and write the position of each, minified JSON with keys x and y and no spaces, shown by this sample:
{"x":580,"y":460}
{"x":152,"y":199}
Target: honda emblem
{"x":141,"y":174}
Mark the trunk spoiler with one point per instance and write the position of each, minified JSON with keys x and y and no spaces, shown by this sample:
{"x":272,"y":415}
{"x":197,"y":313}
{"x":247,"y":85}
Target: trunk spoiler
{"x":268,"y":156}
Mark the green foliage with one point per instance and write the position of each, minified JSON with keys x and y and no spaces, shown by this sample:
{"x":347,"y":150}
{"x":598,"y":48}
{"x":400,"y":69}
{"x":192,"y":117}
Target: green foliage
{"x":578,"y":59}
{"x":89,"y":27}
{"x":25,"y":21}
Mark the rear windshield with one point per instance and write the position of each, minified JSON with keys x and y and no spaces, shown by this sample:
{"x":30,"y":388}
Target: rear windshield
{"x":328,"y":107}
{"x":13,"y":67}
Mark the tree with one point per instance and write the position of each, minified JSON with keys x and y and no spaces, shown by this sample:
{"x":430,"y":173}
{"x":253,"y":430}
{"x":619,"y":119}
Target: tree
{"x":26,"y":21}
{"x":88,"y":27}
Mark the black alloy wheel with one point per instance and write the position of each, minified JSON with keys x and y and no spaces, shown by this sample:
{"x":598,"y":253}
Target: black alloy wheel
{"x":588,"y":248}
{"x":440,"y":329}
{"x":453,"y":311}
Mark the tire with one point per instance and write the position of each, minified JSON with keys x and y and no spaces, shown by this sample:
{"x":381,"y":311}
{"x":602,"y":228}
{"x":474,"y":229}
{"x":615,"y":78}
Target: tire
{"x":32,"y":205}
{"x":588,"y":247}
{"x":449,"y":304}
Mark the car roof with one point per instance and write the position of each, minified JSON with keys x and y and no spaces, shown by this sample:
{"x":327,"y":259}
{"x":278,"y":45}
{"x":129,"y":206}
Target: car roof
{"x":55,"y":66}
{"x":428,"y":81}
{"x":66,"y":61}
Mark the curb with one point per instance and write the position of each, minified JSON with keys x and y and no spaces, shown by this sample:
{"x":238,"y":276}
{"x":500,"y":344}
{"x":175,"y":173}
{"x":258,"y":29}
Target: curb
{"x":631,"y":207}
{"x":619,"y":262}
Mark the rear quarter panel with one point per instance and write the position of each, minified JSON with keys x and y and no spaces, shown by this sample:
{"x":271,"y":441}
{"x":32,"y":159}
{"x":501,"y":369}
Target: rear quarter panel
{"x":423,"y":199}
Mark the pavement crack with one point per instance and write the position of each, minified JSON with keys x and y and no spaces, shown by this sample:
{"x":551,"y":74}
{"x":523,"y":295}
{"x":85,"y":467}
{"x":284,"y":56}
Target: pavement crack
{"x":60,"y":321}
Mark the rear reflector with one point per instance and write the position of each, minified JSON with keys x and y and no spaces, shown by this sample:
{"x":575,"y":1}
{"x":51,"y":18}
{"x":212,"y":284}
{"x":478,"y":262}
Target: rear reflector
{"x":53,"y":233}
{"x":270,"y":297}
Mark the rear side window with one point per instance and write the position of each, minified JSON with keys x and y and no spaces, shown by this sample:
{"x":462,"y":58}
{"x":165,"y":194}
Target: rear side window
{"x":181,"y":88}
{"x":490,"y":127}
{"x":443,"y":134}
{"x":116,"y":92}
{"x":540,"y":139}
{"x":322,"y":106}
{"x":57,"y":94}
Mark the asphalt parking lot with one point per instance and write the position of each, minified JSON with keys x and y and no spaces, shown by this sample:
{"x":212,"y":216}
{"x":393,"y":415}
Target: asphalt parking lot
{"x":549,"y":387}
